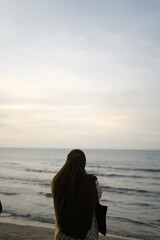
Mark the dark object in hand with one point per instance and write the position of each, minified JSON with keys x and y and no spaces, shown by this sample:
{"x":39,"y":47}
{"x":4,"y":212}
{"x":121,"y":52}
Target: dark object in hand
{"x":101,"y":212}
{"x":0,"y":207}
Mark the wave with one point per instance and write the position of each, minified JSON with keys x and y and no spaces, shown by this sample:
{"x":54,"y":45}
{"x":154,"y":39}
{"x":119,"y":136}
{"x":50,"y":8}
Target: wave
{"x":28,"y":216}
{"x":131,"y":176}
{"x":114,"y":175}
{"x":9,"y":194}
{"x":126,"y":169}
{"x":143,"y":204}
{"x":136,"y":169}
{"x":124,"y":176}
{"x":130,"y":220}
{"x":48,"y":195}
{"x":38,"y":170}
{"x":127,"y":190}
{"x":29,"y":181}
{"x":10,"y":164}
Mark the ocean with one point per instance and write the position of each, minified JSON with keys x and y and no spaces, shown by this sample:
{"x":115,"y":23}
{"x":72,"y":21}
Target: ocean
{"x":130,"y":181}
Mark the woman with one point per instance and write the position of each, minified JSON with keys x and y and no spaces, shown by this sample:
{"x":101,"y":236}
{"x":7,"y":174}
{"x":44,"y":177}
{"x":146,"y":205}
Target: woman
{"x":75,"y":194}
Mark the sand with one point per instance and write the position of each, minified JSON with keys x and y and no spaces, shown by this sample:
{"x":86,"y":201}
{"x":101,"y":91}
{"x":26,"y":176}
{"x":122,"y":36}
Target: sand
{"x":16,"y":232}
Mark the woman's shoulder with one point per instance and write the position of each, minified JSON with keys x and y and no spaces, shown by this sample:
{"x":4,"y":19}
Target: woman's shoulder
{"x":91,"y":177}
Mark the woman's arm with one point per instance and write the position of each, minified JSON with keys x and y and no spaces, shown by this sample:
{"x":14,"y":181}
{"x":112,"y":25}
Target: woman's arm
{"x":99,"y":190}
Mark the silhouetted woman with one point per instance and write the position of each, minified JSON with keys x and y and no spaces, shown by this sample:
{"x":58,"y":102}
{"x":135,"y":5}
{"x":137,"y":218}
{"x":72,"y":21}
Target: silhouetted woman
{"x":75,"y":194}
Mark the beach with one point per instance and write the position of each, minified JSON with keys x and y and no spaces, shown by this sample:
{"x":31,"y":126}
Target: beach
{"x":17,"y":232}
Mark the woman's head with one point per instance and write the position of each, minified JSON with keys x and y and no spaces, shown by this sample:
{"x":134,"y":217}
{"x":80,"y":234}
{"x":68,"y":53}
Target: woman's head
{"x":78,"y":157}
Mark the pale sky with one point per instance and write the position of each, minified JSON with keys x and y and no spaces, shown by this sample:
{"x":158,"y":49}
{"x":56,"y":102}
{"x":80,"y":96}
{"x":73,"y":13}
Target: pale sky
{"x":80,"y":74}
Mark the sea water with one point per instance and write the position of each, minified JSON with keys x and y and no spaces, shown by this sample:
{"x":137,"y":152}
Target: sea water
{"x":130,"y":182}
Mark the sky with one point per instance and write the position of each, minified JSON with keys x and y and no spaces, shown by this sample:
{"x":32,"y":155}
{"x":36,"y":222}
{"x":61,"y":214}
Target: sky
{"x":80,"y":74}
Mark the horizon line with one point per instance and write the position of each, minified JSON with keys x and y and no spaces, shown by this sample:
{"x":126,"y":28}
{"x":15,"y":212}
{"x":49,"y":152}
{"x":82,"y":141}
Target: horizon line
{"x":86,"y":148}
